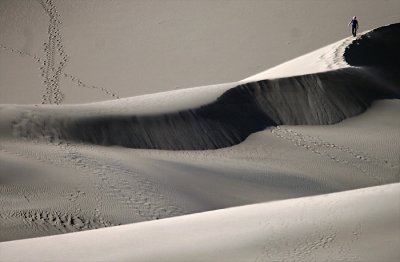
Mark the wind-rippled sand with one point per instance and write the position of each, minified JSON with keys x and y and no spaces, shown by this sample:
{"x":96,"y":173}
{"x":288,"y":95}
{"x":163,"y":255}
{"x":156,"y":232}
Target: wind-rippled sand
{"x":300,"y":162}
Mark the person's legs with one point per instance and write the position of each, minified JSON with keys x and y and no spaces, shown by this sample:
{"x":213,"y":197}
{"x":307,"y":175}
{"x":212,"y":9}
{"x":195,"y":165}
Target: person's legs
{"x":354,"y":31}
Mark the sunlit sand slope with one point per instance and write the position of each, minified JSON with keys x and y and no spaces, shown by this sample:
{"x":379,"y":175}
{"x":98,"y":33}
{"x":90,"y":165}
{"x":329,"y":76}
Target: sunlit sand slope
{"x":314,"y":99}
{"x":359,"y":225}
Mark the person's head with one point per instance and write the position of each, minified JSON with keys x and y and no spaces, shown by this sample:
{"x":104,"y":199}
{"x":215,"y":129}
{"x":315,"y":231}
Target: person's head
{"x":354,"y":17}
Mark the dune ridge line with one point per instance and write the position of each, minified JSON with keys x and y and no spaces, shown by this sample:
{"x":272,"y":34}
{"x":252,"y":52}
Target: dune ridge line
{"x":315,"y":99}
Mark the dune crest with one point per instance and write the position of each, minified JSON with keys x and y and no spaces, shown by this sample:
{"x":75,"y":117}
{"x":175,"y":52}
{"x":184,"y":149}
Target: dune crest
{"x":300,"y":162}
{"x":312,"y":99}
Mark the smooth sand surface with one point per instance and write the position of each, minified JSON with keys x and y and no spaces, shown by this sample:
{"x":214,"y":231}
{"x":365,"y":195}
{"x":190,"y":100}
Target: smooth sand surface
{"x":98,"y":50}
{"x":298,"y":163}
{"x":225,"y":115}
{"x":63,"y":187}
{"x":358,"y":225}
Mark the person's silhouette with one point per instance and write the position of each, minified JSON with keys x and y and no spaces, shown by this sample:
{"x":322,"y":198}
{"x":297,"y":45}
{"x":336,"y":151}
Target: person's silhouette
{"x":354,"y":26}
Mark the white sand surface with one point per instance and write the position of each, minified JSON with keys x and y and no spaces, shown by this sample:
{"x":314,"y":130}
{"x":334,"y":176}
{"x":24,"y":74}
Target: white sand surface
{"x":358,"y":225}
{"x":66,"y":187}
{"x":114,"y":48}
{"x":298,"y":163}
{"x":323,"y":59}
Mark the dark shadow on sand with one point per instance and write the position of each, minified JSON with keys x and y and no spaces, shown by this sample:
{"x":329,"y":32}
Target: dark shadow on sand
{"x":315,"y":99}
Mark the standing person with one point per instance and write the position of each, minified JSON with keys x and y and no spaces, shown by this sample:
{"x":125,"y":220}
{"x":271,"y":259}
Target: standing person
{"x":354,"y":26}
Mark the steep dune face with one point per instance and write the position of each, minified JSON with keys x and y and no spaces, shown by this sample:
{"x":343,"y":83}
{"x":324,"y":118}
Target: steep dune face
{"x":324,"y":98}
{"x":377,"y":54}
{"x":314,"y":99}
{"x":378,"y":48}
{"x":59,"y":180}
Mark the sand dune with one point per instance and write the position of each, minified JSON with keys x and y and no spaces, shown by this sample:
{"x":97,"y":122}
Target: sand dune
{"x":118,"y":48}
{"x":319,"y":133}
{"x":312,"y":99}
{"x":359,"y":225}
{"x":323,"y":98}
{"x":81,"y":187}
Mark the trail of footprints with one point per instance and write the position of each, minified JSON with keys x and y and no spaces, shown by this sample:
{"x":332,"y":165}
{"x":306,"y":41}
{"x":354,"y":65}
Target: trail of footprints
{"x":338,"y":56}
{"x":71,"y":77}
{"x":20,"y":53}
{"x":80,"y":83}
{"x":43,"y":220}
{"x":137,"y":196}
{"x":358,"y":159}
{"x":321,"y":237}
{"x":111,"y":179}
{"x":55,"y":59}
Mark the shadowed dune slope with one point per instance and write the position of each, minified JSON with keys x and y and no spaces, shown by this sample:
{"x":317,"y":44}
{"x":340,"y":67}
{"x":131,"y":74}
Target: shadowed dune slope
{"x":314,"y":99}
{"x":377,"y":48}
{"x":377,"y":53}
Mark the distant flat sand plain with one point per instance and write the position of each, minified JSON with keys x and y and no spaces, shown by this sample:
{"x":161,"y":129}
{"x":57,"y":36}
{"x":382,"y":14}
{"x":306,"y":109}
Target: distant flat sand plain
{"x":129,"y":48}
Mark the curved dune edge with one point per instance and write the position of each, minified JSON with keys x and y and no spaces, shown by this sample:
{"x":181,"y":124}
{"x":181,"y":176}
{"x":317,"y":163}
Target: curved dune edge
{"x":377,"y":48}
{"x":326,"y":98}
{"x":357,"y":225}
{"x":55,"y":188}
{"x":314,"y":99}
{"x":325,"y":59}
